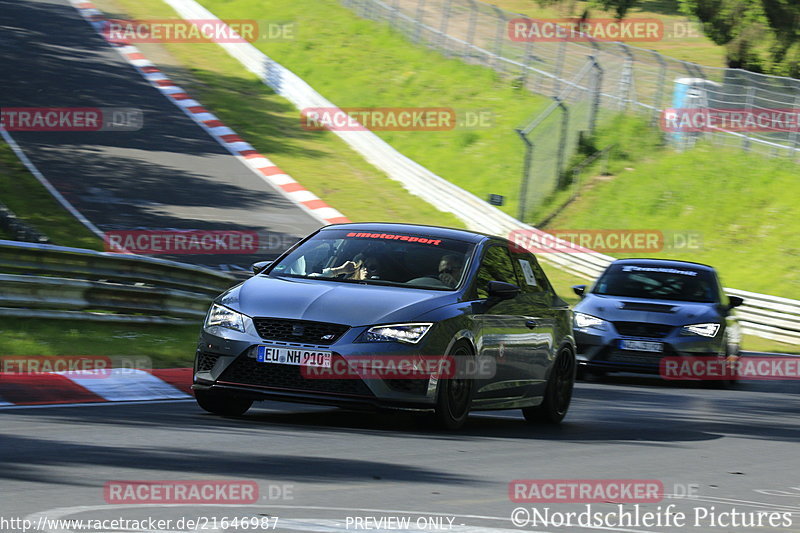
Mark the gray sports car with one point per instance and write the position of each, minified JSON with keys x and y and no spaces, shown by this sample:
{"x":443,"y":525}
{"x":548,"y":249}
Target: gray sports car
{"x":392,"y":316}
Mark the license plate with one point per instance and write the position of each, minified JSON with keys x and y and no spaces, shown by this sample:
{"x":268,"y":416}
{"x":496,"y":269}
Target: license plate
{"x":293,"y":356}
{"x":641,"y":346}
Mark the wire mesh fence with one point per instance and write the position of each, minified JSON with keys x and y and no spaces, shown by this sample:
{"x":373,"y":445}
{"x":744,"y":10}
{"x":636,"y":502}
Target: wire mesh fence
{"x":622,"y":78}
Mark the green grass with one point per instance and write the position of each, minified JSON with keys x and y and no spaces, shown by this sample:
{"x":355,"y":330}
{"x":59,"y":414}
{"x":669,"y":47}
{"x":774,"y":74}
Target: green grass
{"x":319,"y":160}
{"x":357,"y":63}
{"x":167,"y":346}
{"x":743,"y":207}
{"x":33,"y":204}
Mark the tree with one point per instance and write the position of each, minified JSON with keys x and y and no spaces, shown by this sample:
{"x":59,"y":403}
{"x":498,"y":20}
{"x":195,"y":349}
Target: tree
{"x":620,"y":7}
{"x":759,"y":35}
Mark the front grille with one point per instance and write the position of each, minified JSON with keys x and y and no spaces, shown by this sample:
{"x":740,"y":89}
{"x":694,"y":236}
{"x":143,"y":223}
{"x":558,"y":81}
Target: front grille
{"x":643,"y":329}
{"x":206,"y":361}
{"x":301,"y":331}
{"x":247,"y":371}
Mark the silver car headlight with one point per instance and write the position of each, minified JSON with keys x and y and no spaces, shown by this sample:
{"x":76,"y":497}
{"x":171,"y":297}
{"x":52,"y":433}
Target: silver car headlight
{"x":408,"y":333}
{"x":224,"y":317}
{"x":582,"y":320}
{"x":707,"y":329}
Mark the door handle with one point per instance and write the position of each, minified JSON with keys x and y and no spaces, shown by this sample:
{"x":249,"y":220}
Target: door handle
{"x":530,"y":323}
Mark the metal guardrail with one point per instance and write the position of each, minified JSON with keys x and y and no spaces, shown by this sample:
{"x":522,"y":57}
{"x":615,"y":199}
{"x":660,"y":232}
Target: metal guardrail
{"x":46,"y":281}
{"x":762,"y":315}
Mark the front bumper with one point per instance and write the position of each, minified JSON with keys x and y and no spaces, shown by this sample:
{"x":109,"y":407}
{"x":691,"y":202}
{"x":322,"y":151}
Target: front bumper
{"x":226,"y":361}
{"x":600,"y":350}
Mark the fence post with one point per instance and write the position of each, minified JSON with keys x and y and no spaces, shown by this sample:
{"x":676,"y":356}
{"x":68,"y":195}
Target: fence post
{"x":562,"y":50}
{"x":748,"y":109}
{"x":526,"y":175}
{"x":794,"y":150}
{"x":527,"y":58}
{"x":626,"y":78}
{"x":562,"y":144}
{"x":419,"y":19}
{"x":395,"y":11}
{"x":443,"y":25}
{"x":501,"y":25}
{"x":471,"y":27}
{"x":660,"y":85}
{"x":597,"y":92}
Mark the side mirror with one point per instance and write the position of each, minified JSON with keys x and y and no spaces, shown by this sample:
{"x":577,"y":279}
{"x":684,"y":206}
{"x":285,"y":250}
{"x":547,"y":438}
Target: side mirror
{"x":500,"y":290}
{"x":260,"y":265}
{"x":579,"y":290}
{"x":735,"y":301}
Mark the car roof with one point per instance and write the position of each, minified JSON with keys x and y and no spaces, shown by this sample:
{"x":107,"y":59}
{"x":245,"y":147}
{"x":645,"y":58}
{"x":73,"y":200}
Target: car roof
{"x":670,"y":263}
{"x":420,"y":229}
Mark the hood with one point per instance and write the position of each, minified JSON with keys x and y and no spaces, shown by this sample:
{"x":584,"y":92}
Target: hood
{"x":331,"y":301}
{"x":670,"y":312}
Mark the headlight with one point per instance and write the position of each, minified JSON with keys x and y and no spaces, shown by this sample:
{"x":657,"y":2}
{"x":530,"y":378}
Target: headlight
{"x":708,"y":329}
{"x":582,"y":320}
{"x":224,"y":318}
{"x":408,"y":333}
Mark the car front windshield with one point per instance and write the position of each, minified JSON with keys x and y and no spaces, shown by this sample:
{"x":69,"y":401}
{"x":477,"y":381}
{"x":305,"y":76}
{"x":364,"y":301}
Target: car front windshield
{"x":406,"y":259}
{"x":662,"y":283}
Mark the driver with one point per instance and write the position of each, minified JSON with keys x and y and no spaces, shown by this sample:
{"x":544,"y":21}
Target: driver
{"x":363,"y":266}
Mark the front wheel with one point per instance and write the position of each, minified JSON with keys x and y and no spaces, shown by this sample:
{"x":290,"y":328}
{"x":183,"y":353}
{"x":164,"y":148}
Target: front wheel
{"x":454,"y":396}
{"x":222,"y":404}
{"x":557,"y":395}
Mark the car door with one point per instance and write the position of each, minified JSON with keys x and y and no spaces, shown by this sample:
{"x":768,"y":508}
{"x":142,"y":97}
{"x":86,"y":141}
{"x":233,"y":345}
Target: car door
{"x":502,"y":333}
{"x":541,"y":319}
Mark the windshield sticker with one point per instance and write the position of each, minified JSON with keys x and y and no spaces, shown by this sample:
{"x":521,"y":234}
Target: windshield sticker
{"x":393,"y":237}
{"x":530,"y":279}
{"x":658,"y":269}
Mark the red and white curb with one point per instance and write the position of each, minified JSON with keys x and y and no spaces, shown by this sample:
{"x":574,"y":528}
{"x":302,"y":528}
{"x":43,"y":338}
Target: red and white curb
{"x":228,"y":138}
{"x":118,"y":385}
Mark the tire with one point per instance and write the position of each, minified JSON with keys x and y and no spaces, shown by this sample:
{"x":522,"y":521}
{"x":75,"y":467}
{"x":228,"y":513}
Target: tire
{"x":557,"y":395}
{"x":454,"y":396}
{"x":221,"y":403}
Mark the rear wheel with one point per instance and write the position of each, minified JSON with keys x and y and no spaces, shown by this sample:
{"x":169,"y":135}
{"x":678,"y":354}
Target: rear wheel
{"x":454,"y":396}
{"x":558,"y":394}
{"x":220,"y":403}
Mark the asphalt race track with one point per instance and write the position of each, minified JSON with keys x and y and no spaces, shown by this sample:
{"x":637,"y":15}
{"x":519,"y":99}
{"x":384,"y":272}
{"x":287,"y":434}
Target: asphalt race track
{"x":169,"y":174}
{"x":321,"y":469}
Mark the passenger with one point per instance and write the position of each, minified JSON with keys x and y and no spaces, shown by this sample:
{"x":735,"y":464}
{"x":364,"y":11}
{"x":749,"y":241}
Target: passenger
{"x":450,"y":269}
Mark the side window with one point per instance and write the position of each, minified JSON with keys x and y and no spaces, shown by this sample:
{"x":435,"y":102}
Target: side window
{"x":529,"y":272}
{"x":496,"y":266}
